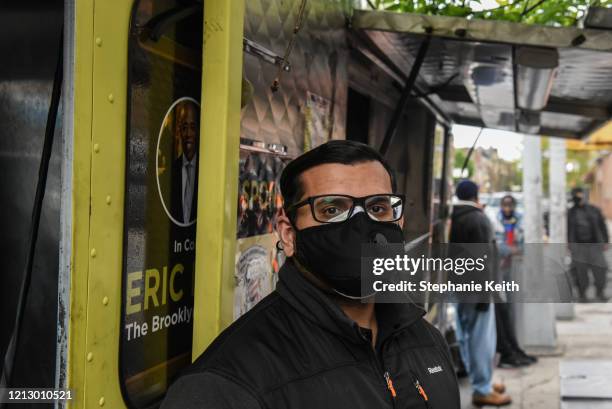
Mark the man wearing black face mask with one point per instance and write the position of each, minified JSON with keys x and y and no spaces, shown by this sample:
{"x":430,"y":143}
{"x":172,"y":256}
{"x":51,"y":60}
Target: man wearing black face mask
{"x":587,"y":236}
{"x":314,"y":343}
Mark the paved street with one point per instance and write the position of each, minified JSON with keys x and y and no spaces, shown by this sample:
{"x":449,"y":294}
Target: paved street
{"x":588,"y":336}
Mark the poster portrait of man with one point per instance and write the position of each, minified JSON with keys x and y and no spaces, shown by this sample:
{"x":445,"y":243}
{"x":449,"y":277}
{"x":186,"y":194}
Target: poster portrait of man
{"x":179,"y":188}
{"x":185,"y":166}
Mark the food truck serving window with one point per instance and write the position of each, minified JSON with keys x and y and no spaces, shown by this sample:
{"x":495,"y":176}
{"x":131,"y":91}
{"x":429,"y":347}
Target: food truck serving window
{"x":163,"y":124}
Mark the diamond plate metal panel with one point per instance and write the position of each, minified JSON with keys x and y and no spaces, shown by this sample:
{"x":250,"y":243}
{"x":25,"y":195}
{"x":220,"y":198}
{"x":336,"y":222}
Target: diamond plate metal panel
{"x":584,"y":75}
{"x":567,"y":122}
{"x":318,"y":61}
{"x":581,"y":96}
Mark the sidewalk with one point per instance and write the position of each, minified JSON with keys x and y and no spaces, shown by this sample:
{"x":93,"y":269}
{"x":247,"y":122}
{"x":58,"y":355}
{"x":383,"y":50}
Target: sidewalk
{"x":587,"y":336}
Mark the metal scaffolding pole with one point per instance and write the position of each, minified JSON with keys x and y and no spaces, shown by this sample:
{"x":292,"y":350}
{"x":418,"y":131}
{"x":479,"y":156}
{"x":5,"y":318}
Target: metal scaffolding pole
{"x":403,"y":101}
{"x":558,"y":213}
{"x":535,"y":322}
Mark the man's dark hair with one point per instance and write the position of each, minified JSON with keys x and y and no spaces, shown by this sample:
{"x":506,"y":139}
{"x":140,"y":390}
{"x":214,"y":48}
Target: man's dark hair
{"x":335,"y":151}
{"x":467,"y":190}
{"x":508,"y":197}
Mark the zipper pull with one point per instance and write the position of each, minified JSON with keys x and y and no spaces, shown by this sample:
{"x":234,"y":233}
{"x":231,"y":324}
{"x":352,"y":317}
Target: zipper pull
{"x":419,"y":388}
{"x":390,"y":385}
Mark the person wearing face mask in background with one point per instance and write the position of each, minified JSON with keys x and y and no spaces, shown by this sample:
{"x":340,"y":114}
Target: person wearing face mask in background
{"x":587,"y":237}
{"x":315,"y":342}
{"x":509,"y":239}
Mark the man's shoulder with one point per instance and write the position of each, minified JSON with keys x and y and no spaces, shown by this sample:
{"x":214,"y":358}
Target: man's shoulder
{"x":421,"y":334}
{"x":593,"y":208}
{"x":435,"y":333}
{"x":254,"y":347}
{"x":270,"y":346}
{"x":241,"y":336}
{"x":477,"y":215}
{"x":223,"y":375}
{"x":209,"y":390}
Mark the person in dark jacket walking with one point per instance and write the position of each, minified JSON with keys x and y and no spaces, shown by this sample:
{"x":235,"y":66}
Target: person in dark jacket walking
{"x":476,"y":329}
{"x":587,"y":235}
{"x":314,"y":342}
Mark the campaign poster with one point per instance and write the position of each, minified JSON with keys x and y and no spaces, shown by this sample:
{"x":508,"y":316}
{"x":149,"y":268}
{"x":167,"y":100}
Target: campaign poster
{"x":259,"y":200}
{"x":257,"y":265}
{"x":162,"y":143}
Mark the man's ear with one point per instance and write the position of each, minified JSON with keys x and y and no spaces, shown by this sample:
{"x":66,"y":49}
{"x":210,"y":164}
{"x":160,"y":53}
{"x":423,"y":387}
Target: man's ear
{"x":286,"y":233}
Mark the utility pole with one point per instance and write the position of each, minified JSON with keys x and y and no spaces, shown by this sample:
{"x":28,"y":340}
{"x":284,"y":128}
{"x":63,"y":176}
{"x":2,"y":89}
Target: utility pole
{"x":535,"y":322}
{"x":558,"y":216}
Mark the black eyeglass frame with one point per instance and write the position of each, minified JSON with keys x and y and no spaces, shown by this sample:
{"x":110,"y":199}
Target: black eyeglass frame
{"x":290,"y":210}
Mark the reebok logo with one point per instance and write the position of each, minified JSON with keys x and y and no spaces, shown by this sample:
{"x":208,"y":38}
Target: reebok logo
{"x":435,"y":369}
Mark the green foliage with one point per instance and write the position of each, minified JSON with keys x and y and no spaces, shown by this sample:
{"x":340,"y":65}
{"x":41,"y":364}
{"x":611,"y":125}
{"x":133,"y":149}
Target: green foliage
{"x":544,"y":12}
{"x":515,"y":175}
{"x":582,"y":162}
{"x":460,"y":155}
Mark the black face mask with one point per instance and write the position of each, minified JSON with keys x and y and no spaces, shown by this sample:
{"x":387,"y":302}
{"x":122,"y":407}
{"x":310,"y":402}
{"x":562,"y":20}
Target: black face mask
{"x":577,"y":200}
{"x":332,"y":252}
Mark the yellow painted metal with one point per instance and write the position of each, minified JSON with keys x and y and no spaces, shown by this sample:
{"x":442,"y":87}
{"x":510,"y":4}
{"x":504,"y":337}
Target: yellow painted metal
{"x":82,"y":98}
{"x":101,"y":40}
{"x":602,"y":136}
{"x":578,"y":145}
{"x":218,"y":170}
{"x":111,"y":24}
{"x":100,"y":97}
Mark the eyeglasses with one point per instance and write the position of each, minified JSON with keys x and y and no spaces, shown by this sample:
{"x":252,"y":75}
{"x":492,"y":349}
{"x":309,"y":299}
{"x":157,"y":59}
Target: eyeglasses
{"x":340,"y":208}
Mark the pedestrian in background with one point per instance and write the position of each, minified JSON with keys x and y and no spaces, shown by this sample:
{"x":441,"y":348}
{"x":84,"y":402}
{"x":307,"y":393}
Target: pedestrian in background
{"x":476,"y":331}
{"x":587,"y":237}
{"x":509,"y":239}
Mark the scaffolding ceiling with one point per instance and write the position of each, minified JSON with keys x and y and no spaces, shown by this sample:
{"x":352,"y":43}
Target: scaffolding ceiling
{"x":510,"y":76}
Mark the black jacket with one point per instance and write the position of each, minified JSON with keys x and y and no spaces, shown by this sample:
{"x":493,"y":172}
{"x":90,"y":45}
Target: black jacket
{"x":586,"y":224}
{"x":297,"y":349}
{"x":469,"y":224}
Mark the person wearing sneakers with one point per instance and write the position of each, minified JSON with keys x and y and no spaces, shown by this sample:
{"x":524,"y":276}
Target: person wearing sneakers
{"x":509,"y":240}
{"x":476,"y":330}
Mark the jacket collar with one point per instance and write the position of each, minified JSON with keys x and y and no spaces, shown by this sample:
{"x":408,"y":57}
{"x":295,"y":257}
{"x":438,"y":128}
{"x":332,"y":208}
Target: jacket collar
{"x":321,"y":310}
{"x":466,"y":203}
